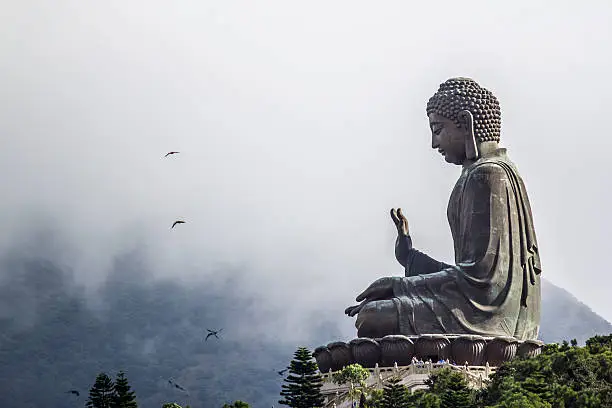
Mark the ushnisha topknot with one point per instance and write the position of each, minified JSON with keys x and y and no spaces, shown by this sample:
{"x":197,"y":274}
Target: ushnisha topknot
{"x":457,"y":94}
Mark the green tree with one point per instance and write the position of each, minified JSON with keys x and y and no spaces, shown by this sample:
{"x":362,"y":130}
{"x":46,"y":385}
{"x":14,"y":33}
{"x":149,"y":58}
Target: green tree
{"x":375,"y":398}
{"x":423,"y":399}
{"x":599,"y":344}
{"x":457,"y":394}
{"x":520,"y":400}
{"x":394,"y":394}
{"x":237,"y":404}
{"x":354,"y":375}
{"x":452,"y":389}
{"x":124,"y":396}
{"x":171,"y":405}
{"x":303,"y":384}
{"x":537,"y":384}
{"x":102,"y":394}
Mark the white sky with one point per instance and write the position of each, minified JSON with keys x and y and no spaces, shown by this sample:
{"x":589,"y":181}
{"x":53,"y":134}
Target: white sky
{"x":300,"y":124}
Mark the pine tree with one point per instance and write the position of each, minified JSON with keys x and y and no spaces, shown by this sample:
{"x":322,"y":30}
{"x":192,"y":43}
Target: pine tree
{"x":102,"y":394}
{"x":394,"y":394}
{"x":125,"y":397}
{"x":424,"y":399}
{"x":457,"y":393}
{"x":451,"y":388}
{"x":539,"y":385}
{"x":303,"y":388}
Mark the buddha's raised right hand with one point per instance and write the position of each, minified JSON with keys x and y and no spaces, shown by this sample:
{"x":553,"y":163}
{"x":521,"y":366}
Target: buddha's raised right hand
{"x":403,"y":244}
{"x":401,"y":223}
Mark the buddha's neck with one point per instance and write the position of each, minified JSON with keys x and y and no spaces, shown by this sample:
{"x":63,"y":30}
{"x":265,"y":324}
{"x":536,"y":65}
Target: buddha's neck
{"x":484,"y":149}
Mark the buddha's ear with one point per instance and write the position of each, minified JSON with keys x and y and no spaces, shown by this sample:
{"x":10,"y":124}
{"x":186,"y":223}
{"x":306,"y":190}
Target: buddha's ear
{"x":466,"y":120}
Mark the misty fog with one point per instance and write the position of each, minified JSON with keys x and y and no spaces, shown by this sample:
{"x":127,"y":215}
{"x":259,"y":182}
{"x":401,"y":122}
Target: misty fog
{"x":300,"y":124}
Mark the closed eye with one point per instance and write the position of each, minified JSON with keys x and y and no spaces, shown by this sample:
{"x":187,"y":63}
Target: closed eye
{"x":437,"y":131}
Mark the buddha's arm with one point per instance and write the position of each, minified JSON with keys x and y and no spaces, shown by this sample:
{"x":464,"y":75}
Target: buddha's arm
{"x":414,"y":261}
{"x":403,"y":245}
{"x":418,"y":263}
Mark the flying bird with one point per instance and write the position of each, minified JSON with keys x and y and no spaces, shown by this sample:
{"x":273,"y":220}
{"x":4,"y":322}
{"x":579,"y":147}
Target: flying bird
{"x":177,"y":222}
{"x":175,"y":385}
{"x":212,"y":333}
{"x":169,"y":153}
{"x":75,"y":392}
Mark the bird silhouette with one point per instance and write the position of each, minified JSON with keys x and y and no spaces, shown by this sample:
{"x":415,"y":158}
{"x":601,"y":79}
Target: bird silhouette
{"x":175,"y":385}
{"x":169,"y":153}
{"x":75,"y":392}
{"x":177,"y":222}
{"x":212,"y":333}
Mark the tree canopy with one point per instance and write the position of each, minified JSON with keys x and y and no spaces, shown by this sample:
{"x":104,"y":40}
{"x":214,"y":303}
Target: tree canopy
{"x":302,"y":388}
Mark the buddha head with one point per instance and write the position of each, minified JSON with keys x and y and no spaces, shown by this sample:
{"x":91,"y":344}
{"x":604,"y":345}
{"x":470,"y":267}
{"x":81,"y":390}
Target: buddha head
{"x":463,"y":117}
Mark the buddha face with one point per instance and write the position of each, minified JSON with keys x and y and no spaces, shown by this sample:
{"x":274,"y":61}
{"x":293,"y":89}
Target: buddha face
{"x":448,"y":138}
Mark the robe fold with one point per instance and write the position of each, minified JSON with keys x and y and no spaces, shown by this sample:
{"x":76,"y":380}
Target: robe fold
{"x":494,"y":287}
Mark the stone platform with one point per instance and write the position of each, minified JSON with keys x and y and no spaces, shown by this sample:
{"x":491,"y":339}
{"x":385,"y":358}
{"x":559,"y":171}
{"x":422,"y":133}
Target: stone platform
{"x":391,"y":350}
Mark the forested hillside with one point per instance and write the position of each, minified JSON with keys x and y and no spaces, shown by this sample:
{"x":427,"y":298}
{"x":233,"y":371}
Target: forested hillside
{"x":52,"y":341}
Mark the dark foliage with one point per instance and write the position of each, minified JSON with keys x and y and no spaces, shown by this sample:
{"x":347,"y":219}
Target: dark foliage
{"x":102,"y":394}
{"x":303,"y":384}
{"x":394,"y":395}
{"x":124,"y":396}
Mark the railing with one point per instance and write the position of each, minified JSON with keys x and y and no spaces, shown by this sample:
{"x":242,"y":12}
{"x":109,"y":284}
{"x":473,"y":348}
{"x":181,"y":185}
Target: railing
{"x":476,"y":376}
{"x":419,"y":368}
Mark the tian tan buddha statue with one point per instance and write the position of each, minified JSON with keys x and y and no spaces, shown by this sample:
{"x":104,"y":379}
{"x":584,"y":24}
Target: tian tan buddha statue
{"x":493,"y":289}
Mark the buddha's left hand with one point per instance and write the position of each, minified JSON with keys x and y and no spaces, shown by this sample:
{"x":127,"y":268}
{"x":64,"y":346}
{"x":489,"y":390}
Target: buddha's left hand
{"x":381,"y":289}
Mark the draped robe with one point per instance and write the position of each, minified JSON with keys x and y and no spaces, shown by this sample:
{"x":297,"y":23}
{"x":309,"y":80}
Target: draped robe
{"x":494,"y":287}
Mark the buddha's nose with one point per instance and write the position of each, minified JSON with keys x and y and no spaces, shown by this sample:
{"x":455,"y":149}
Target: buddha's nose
{"x":434,"y":142}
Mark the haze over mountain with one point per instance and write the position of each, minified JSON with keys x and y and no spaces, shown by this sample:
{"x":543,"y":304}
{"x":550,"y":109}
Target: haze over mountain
{"x":564,"y":317}
{"x":54,"y":338}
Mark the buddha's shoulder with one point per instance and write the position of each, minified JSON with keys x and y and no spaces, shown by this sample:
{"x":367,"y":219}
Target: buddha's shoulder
{"x":491,"y":169}
{"x":489,"y":165}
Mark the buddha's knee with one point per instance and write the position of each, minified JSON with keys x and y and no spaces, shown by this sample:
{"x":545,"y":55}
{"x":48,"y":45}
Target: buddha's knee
{"x":377,"y":319}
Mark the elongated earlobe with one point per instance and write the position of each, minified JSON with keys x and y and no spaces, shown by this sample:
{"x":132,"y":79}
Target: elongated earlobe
{"x":467,"y":122}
